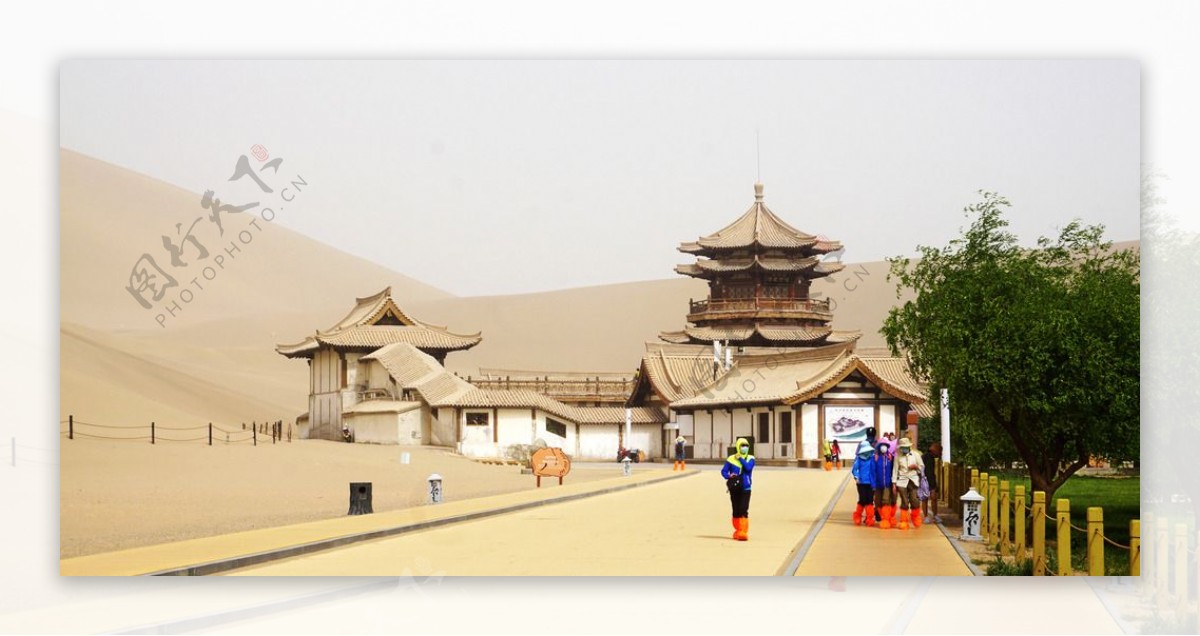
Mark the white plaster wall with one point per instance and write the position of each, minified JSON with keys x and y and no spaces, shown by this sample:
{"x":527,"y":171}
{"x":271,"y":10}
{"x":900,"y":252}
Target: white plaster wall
{"x":686,"y":422}
{"x":598,"y":441}
{"x":567,"y":442}
{"x":516,"y":427}
{"x":374,"y":428}
{"x":887,"y":419}
{"x":810,"y":416}
{"x":477,"y":434}
{"x":647,"y":438}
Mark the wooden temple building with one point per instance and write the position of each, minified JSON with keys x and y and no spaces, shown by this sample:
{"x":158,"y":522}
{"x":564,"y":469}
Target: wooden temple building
{"x":379,"y":373}
{"x":759,"y":358}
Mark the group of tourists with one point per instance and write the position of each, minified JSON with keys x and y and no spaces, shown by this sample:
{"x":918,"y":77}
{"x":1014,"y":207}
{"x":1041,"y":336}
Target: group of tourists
{"x":894,"y":489}
{"x":887,"y":472}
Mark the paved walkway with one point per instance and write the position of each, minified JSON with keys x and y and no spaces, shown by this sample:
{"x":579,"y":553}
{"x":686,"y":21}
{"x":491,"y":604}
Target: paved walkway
{"x":844,"y":549}
{"x":212,"y":554}
{"x":673,"y":528}
{"x":655,"y":522}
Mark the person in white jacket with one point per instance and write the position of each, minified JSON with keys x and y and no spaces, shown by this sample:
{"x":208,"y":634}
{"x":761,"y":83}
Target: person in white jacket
{"x":906,"y":475}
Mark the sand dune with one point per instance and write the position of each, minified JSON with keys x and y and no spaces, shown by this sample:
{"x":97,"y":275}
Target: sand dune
{"x":110,"y":216}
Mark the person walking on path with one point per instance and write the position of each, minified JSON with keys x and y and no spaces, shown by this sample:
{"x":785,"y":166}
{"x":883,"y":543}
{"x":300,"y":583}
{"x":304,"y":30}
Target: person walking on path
{"x":835,"y":451}
{"x":680,"y":443}
{"x":907,"y":469}
{"x":827,"y":452}
{"x":737,"y":471}
{"x":880,"y":470}
{"x":935,"y":452}
{"x":864,"y":511}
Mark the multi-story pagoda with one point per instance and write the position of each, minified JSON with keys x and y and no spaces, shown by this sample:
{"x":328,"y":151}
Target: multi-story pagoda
{"x":759,"y":272}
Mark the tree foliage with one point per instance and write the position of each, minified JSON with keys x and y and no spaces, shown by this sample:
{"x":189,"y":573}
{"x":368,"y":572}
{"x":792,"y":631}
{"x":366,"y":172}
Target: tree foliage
{"x":1039,"y":347}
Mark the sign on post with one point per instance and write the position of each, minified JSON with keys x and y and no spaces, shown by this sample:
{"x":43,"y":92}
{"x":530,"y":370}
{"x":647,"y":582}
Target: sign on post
{"x":550,"y":462}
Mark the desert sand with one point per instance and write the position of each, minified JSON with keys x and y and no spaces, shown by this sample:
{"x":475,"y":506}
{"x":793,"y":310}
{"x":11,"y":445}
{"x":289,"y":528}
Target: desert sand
{"x":125,"y":494}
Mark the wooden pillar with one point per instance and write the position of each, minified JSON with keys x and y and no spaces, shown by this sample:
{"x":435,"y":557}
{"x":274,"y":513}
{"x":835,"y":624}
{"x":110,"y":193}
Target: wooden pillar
{"x":1063,"y":511}
{"x":1005,"y":503}
{"x":1039,"y":533}
{"x":1019,"y":523}
{"x":1135,"y":547}
{"x":984,"y":525}
{"x":1095,"y":540}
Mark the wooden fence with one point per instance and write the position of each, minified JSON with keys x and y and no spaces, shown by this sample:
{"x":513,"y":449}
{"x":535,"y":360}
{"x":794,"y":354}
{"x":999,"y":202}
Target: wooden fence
{"x":1016,"y":526}
{"x":267,"y":432}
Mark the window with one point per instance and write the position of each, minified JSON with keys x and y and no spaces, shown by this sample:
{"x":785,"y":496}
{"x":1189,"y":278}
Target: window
{"x":477,"y":419}
{"x":785,"y":427}
{"x":764,"y":427}
{"x":555,"y":427}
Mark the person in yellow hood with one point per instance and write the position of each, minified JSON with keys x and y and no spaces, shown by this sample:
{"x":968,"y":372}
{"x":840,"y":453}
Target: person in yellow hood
{"x":737,"y":471}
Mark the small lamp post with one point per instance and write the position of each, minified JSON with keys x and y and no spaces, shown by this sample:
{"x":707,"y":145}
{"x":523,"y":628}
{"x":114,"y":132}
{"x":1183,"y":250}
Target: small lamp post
{"x":970,"y":515}
{"x":435,"y":488}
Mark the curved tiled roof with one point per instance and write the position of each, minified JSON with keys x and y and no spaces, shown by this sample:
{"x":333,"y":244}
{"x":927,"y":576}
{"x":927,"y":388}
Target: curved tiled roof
{"x":759,"y":227}
{"x":791,"y":378}
{"x":678,"y":372}
{"x":616,"y":415}
{"x":407,"y":365}
{"x":359,"y":329}
{"x":711,"y":266}
{"x":771,"y":333}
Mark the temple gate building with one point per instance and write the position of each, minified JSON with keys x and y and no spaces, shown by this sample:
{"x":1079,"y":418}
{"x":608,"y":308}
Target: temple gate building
{"x":760,"y":358}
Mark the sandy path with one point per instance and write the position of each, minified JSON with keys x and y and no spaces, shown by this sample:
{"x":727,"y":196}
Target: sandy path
{"x":116,"y":495}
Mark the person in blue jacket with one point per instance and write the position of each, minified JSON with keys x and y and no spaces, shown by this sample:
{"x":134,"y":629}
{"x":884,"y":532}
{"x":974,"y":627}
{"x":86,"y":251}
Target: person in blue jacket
{"x":737,"y":471}
{"x":860,"y":470}
{"x":880,"y":470}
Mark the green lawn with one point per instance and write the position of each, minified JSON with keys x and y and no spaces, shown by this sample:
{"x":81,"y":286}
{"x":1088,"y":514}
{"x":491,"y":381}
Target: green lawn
{"x":1120,"y":497}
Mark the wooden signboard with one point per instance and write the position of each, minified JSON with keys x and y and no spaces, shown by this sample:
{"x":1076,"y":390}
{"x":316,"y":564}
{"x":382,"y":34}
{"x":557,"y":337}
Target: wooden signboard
{"x":550,"y":462}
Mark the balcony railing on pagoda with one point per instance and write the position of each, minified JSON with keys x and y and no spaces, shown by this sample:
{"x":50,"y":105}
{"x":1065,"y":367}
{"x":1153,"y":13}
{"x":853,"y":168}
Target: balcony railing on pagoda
{"x":603,"y":391}
{"x":705,"y":310}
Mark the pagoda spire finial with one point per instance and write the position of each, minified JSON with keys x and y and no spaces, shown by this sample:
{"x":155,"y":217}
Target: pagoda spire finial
{"x":758,"y":191}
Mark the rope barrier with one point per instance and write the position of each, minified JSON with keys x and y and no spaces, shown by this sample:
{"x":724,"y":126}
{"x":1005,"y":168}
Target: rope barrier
{"x":192,"y":439}
{"x":78,"y":434}
{"x":1114,"y":543}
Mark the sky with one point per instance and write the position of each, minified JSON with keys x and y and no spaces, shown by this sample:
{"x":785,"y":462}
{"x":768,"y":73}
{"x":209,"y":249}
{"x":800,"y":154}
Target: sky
{"x":502,"y":177}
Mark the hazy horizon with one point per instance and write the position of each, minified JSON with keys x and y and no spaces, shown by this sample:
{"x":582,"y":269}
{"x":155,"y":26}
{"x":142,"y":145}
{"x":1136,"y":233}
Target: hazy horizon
{"x":499,"y":178}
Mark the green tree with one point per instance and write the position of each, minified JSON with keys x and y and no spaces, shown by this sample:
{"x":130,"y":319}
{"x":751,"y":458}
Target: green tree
{"x":1039,"y":347}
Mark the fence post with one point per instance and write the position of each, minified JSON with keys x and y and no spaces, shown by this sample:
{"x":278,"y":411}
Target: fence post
{"x":1181,"y":570}
{"x":272,"y":432}
{"x":1039,"y":533}
{"x":14,"y":452}
{"x":151,"y":432}
{"x":1063,"y":509}
{"x":70,"y":427}
{"x":254,"y":433}
{"x":1019,"y":523}
{"x":1135,"y":547}
{"x":975,"y":479}
{"x":985,"y":519}
{"x":993,"y":519}
{"x":210,"y":433}
{"x":1095,"y":540}
{"x":1005,"y":502}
